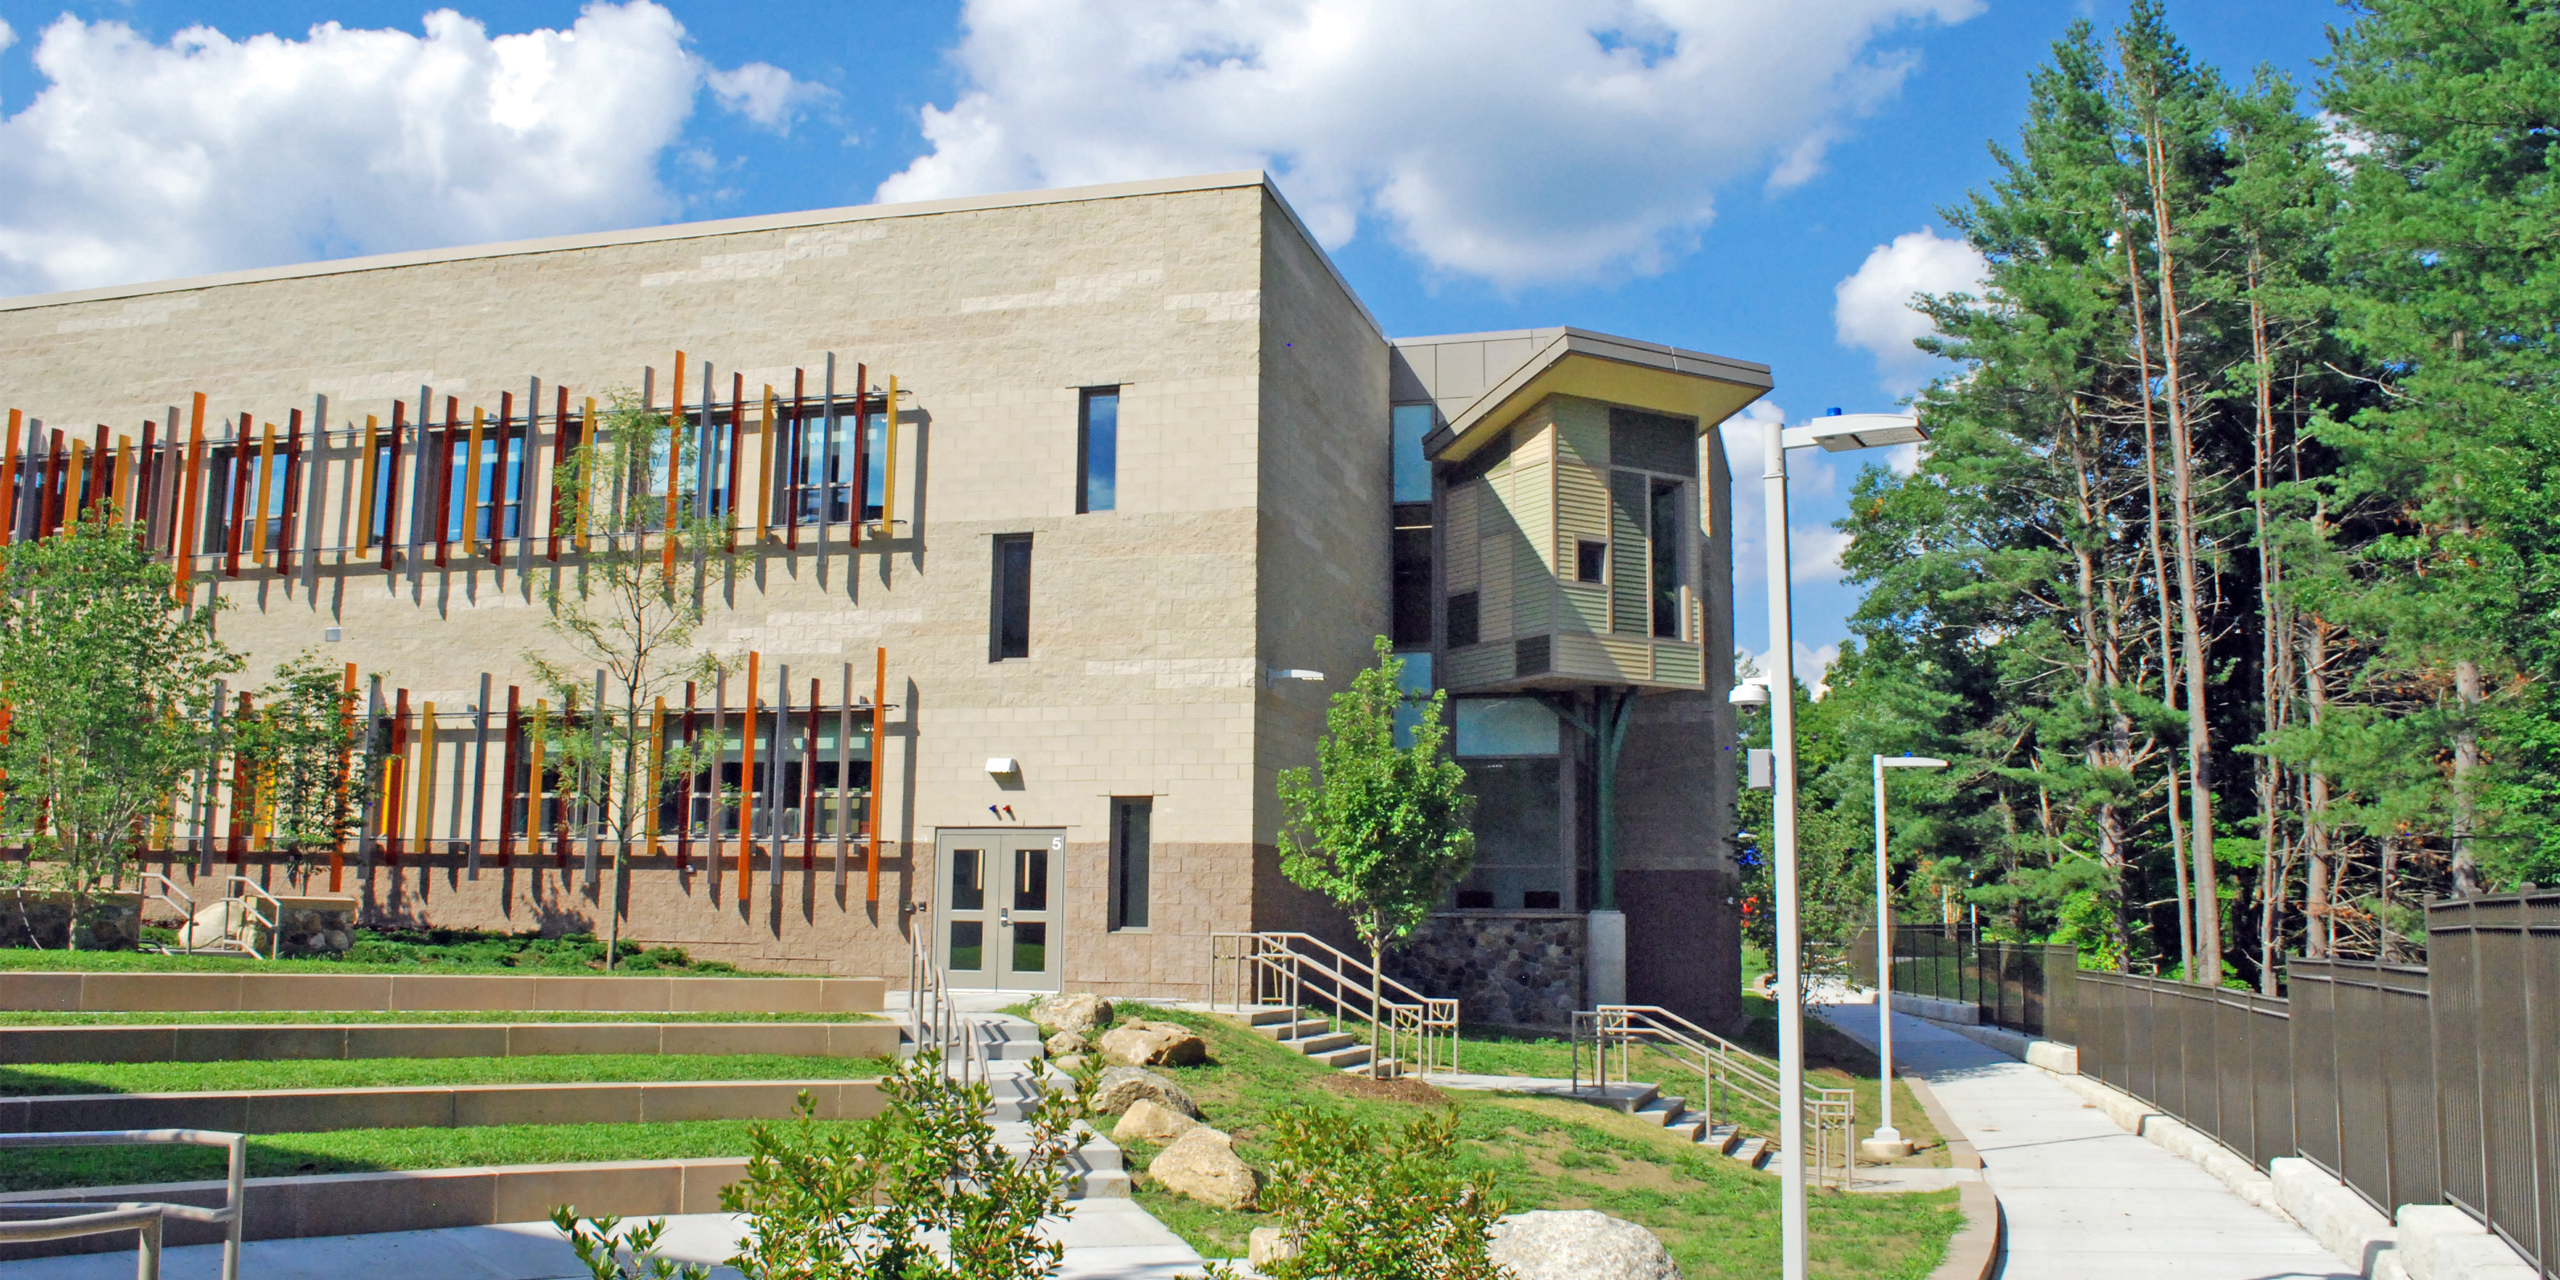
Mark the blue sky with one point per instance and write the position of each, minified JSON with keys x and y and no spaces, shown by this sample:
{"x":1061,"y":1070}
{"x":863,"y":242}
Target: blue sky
{"x":1871,"y":114}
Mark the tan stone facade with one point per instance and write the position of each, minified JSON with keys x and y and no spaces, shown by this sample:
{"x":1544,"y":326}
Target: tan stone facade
{"x":1248,"y":534}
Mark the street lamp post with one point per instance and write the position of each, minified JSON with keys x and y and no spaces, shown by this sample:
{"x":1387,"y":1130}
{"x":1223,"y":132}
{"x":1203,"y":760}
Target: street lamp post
{"x":1888,"y":1142}
{"x":1835,"y":434}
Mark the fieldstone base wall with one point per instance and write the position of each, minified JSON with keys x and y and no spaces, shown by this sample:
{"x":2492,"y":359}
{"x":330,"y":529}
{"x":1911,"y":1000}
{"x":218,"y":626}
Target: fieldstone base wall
{"x":37,"y":919}
{"x":314,"y":926}
{"x":1506,"y":968}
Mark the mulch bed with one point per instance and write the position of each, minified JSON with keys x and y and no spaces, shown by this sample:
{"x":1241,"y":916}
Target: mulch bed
{"x":1404,"y":1090}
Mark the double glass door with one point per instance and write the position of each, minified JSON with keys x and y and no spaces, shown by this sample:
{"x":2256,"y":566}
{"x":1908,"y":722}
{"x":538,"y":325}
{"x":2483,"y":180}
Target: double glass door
{"x":999,"y":914}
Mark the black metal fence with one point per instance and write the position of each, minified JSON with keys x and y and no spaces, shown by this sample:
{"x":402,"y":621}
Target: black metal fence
{"x":2414,"y":1085}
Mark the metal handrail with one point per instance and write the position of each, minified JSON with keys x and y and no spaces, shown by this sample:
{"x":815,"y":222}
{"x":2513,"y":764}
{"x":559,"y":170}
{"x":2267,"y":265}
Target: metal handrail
{"x":238,"y":888}
{"x":145,"y":1217}
{"x":1407,"y":1029}
{"x":954,"y":1037}
{"x":1830,"y":1115}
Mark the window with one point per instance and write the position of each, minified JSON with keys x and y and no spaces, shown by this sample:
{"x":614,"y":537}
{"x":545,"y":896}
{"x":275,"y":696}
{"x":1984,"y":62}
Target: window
{"x":1666,"y":559}
{"x":1411,"y":471}
{"x":1009,"y":627}
{"x":1412,"y":586}
{"x":1130,"y":816}
{"x":1462,"y":619}
{"x":1098,"y":450}
{"x":1590,"y":560}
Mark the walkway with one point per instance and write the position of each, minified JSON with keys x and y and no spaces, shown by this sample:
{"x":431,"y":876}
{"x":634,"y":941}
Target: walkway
{"x":1105,"y":1239}
{"x":2083,"y":1198}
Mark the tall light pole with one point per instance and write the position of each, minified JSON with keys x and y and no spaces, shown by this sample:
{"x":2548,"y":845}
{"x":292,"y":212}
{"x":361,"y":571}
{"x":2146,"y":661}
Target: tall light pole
{"x":1888,"y":1142}
{"x":1835,"y":434}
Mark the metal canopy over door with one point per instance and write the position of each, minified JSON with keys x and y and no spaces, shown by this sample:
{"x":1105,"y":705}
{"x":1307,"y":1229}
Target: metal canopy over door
{"x":999,"y":918}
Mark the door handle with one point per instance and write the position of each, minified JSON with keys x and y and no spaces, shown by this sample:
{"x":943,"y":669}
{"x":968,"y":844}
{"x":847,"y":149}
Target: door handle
{"x":1004,"y":918}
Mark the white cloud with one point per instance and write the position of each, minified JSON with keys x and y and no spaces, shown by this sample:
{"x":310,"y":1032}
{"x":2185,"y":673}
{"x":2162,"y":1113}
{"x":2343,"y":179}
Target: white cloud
{"x":8,"y":36}
{"x":763,"y":93}
{"x":1516,"y":140}
{"x":140,"y":161}
{"x":1813,"y":665}
{"x":1872,"y":307}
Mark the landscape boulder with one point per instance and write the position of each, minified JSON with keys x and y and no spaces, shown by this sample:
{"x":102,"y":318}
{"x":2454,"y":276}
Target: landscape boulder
{"x":1202,"y":1164}
{"x":1268,"y":1245}
{"x":1063,"y":1044}
{"x":1073,"y":1011}
{"x":1153,"y":1044}
{"x":1579,"y":1244}
{"x":1121,"y":1086}
{"x":1148,"y":1121}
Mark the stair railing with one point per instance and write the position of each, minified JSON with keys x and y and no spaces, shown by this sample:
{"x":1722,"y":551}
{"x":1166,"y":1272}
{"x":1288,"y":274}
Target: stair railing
{"x":258,"y":909}
{"x":1724,"y":1069}
{"x":28,"y":1221}
{"x":1408,"y":1031}
{"x":933,"y":1017}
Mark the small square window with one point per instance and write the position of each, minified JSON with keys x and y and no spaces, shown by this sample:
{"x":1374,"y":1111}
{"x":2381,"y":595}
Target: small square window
{"x":1542,"y":900}
{"x":1475,"y":899}
{"x":1590,"y":560}
{"x":1462,"y":619}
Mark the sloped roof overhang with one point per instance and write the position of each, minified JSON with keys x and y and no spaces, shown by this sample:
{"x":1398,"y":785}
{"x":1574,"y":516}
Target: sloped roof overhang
{"x":1598,"y":366}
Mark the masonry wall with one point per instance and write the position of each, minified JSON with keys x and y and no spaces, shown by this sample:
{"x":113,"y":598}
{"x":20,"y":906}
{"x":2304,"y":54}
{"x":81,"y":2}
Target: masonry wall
{"x":1147,"y":636}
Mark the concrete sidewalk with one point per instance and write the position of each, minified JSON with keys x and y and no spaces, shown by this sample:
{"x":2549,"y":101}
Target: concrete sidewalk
{"x":2082,"y":1197}
{"x":1105,"y":1240}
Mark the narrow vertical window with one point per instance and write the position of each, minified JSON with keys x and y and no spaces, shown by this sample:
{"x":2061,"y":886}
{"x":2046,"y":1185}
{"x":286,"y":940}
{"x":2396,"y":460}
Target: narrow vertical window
{"x":1098,"y":450}
{"x":1410,"y":471}
{"x":1666,"y":559}
{"x":1130,"y":816}
{"x":1009,"y":629}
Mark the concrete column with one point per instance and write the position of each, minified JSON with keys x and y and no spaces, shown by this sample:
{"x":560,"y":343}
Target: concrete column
{"x":1604,"y":965}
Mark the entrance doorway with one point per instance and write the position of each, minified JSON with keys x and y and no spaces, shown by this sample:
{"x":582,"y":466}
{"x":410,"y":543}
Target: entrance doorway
{"x":999,"y":919}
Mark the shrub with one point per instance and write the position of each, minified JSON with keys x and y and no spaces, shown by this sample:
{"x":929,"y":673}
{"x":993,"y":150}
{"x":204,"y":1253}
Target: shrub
{"x":1376,"y":1203}
{"x":830,"y":1205}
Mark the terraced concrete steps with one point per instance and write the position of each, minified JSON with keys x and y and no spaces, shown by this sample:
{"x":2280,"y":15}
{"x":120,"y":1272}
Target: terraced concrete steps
{"x":1648,"y":1102}
{"x":1000,"y":1037}
{"x":1316,"y":1038}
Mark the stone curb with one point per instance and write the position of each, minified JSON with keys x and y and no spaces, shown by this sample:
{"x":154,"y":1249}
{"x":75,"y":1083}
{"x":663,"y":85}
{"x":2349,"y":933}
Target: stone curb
{"x":2180,"y":1139}
{"x":393,"y":993}
{"x":263,"y":1111}
{"x":267,"y":1042}
{"x":1973,"y":1253}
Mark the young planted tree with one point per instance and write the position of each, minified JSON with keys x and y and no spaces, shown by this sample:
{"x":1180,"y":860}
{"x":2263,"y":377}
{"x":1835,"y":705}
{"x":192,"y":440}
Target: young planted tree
{"x":109,"y":680}
{"x":303,"y":743}
{"x":628,"y":608}
{"x":1379,"y":829}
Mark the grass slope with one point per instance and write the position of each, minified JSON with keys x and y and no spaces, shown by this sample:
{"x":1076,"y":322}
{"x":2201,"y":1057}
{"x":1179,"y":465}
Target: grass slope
{"x":1717,"y":1217}
{"x":376,"y":1073}
{"x":368,"y":1150}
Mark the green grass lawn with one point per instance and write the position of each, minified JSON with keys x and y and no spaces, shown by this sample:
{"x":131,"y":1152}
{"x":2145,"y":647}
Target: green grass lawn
{"x":334,"y":1017}
{"x":1717,"y":1217}
{"x":374,"y":1073}
{"x":400,"y":951}
{"x":367,"y":1150}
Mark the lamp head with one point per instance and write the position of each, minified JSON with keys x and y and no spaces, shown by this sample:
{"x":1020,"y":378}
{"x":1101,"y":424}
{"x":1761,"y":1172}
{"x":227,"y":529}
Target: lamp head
{"x":1841,"y":432}
{"x":1910,"y":762}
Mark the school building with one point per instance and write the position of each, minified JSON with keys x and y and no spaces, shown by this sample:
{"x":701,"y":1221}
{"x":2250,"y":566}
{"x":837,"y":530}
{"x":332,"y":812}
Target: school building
{"x":1050,"y":521}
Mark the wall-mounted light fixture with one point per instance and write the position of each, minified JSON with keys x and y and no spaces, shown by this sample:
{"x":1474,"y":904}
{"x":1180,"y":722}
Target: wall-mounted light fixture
{"x":1276,"y":676}
{"x":1003,"y":766}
